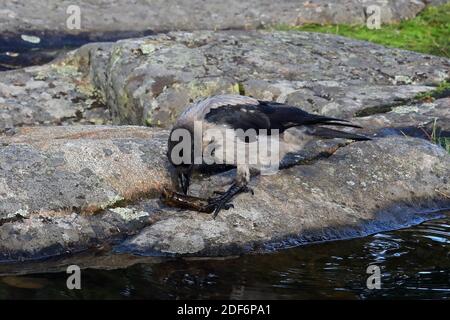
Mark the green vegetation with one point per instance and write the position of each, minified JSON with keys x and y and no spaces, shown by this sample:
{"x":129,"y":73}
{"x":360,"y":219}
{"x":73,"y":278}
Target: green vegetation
{"x":436,"y":138}
{"x":429,"y":32}
{"x":444,"y":142}
{"x":442,"y":91}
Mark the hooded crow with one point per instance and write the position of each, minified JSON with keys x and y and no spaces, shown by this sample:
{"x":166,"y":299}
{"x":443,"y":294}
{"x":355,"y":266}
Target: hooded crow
{"x":230,"y":130}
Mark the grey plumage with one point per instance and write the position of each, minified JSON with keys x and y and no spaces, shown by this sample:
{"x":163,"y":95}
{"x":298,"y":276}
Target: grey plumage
{"x":224,"y":112}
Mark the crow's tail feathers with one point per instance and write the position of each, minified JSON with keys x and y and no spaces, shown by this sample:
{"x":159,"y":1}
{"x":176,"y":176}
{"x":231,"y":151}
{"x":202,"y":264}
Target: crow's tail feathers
{"x":292,"y":117}
{"x":286,"y":117}
{"x":315,"y":122}
{"x":312,"y":119}
{"x":327,"y":133}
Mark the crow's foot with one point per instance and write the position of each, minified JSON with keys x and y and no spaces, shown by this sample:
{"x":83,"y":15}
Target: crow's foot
{"x":215,"y":204}
{"x":248,"y":189}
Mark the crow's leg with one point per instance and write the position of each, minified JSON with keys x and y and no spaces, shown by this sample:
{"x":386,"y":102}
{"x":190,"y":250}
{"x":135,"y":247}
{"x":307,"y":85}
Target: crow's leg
{"x":222,"y":202}
{"x":239,"y":186}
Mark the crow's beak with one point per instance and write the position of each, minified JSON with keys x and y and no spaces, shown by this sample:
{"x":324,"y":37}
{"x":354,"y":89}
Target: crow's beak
{"x":184,"y":180}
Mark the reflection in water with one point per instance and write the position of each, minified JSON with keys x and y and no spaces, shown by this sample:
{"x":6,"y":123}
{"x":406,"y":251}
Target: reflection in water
{"x":16,"y":53}
{"x":414,"y":263}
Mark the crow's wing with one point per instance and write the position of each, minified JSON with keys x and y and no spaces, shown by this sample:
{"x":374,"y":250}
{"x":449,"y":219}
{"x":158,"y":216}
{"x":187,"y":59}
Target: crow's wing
{"x":267,"y":115}
{"x":244,"y":116}
{"x":199,"y":109}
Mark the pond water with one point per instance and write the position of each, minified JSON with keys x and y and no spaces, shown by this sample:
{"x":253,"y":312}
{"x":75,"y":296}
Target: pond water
{"x":16,"y":52}
{"x":414,"y":262}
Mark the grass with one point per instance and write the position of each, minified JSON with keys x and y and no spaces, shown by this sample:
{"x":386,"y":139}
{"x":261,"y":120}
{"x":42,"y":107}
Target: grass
{"x":441,"y":91}
{"x":444,"y":142}
{"x":429,"y":32}
{"x":436,"y":138}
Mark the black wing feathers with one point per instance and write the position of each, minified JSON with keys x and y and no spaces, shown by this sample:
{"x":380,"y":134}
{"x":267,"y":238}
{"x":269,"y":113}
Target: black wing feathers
{"x":327,"y":133}
{"x":239,"y":117}
{"x":269,"y":115}
{"x":284,"y":116}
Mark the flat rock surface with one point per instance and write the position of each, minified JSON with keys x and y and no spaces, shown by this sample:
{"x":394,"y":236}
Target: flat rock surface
{"x":52,"y":94}
{"x":78,"y":168}
{"x":66,"y":189}
{"x":167,"y":15}
{"x":55,"y":182}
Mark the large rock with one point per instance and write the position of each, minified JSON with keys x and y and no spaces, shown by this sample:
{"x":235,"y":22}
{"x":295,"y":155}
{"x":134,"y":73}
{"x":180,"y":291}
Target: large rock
{"x":78,"y":168}
{"x":164,"y":15}
{"x":150,"y":80}
{"x":66,"y":189}
{"x":357,"y":191}
{"x":429,"y":120}
{"x":53,"y":94}
{"x":55,"y":182}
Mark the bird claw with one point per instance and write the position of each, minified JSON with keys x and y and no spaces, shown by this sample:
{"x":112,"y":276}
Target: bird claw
{"x":215,"y":204}
{"x":219,"y":203}
{"x":229,"y":206}
{"x":247,"y":189}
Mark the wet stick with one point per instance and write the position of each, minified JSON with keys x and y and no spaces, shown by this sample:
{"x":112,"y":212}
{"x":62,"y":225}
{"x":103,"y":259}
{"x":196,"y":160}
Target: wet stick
{"x":178,"y":200}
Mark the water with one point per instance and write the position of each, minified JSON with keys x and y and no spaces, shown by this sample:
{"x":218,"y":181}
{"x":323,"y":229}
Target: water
{"x":414,"y":264}
{"x":17,"y":53}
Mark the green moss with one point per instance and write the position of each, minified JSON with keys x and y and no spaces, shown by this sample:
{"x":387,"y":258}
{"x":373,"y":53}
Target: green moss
{"x":204,"y":88}
{"x":437,"y":137}
{"x":444,"y":142}
{"x":238,"y":88}
{"x":148,"y":48}
{"x":429,"y":32}
{"x":442,"y":91}
{"x":66,"y":69}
